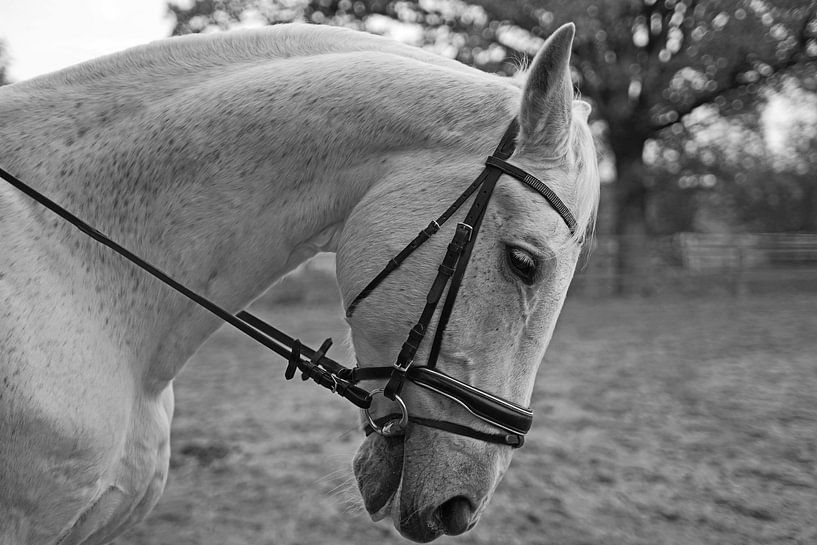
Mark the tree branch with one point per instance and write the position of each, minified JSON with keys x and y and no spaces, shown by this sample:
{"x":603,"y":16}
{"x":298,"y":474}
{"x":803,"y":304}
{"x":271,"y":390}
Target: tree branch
{"x":502,"y":10}
{"x":734,"y":82}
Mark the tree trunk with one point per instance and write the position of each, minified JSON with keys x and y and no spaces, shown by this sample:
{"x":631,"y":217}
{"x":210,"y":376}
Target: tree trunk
{"x":810,"y":213}
{"x":633,"y":275}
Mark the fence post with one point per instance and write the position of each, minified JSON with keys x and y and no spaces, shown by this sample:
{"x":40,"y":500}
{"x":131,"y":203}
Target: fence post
{"x":740,"y":277}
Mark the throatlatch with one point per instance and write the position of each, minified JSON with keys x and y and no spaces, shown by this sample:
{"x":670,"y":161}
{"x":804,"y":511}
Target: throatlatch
{"x":514,"y":420}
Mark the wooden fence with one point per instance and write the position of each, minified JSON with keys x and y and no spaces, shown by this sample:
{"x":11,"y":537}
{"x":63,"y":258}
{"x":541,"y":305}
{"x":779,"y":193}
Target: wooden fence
{"x":684,"y":264}
{"x":704,"y":264}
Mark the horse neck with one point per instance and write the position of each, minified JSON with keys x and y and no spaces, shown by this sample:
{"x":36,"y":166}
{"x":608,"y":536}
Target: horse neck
{"x":229,"y":180}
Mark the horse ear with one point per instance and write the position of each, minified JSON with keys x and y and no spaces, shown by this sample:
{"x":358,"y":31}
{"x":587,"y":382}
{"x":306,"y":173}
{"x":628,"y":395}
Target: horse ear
{"x":547,"y":98}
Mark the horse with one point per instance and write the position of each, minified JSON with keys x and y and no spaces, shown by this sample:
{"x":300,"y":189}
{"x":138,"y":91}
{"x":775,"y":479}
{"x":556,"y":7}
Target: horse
{"x":227,"y":160}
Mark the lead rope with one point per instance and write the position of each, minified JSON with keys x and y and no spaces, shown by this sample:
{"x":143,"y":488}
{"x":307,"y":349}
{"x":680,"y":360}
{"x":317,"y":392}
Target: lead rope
{"x":324,"y":371}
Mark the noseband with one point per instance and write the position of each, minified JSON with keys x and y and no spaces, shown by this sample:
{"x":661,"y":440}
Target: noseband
{"x":514,"y":420}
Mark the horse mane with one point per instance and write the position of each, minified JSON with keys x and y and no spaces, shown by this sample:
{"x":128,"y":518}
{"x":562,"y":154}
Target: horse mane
{"x":203,"y":51}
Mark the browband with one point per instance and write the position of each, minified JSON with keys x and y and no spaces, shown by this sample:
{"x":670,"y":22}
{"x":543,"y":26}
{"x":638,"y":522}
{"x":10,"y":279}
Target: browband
{"x":532,"y":181}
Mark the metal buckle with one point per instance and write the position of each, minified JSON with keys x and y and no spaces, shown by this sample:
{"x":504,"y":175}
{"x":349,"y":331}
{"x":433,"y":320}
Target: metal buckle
{"x":468,"y":227}
{"x":403,"y":368}
{"x":431,"y":228}
{"x":393,"y":427}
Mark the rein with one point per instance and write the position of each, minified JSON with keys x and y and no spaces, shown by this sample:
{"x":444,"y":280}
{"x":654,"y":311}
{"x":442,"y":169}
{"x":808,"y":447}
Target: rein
{"x":312,"y":363}
{"x":514,"y":420}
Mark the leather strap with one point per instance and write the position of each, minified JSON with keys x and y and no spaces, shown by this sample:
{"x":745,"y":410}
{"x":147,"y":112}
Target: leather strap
{"x":474,"y":219}
{"x":423,"y":236}
{"x":511,"y":439}
{"x":405,"y":358}
{"x":454,"y":263}
{"x":536,"y":184}
{"x":502,"y":151}
{"x":317,"y":366}
{"x":484,"y":405}
{"x":507,"y":144}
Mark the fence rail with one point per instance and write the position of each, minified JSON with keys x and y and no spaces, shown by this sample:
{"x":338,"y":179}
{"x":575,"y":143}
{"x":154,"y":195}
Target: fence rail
{"x":695,"y":263}
{"x":686,"y":264}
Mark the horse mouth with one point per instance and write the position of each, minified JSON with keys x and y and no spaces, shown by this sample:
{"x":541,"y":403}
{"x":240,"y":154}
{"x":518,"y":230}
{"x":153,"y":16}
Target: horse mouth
{"x":422,"y":502}
{"x":378,"y":468}
{"x":383,"y":512}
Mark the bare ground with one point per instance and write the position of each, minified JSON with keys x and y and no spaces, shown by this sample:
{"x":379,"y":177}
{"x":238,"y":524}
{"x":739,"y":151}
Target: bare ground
{"x":685,"y":422}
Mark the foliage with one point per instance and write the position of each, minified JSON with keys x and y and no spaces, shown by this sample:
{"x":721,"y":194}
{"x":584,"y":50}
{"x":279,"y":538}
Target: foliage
{"x":451,"y":27}
{"x":745,"y":172}
{"x":4,"y":62}
{"x":653,"y":59}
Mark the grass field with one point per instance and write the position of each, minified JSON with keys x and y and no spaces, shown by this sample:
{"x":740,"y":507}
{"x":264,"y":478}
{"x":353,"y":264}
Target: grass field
{"x":683,"y":422}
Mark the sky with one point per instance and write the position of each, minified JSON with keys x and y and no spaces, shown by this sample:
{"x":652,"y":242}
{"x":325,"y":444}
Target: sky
{"x":45,"y":35}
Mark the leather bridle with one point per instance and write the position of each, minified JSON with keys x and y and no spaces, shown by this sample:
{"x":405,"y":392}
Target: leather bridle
{"x":513,"y":420}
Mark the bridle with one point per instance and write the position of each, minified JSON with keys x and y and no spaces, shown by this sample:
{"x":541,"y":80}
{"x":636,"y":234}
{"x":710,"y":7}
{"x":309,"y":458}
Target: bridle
{"x":513,"y":420}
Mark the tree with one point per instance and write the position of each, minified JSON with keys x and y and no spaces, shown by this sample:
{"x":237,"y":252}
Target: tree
{"x":4,"y":62}
{"x":645,"y":64}
{"x":726,"y":172}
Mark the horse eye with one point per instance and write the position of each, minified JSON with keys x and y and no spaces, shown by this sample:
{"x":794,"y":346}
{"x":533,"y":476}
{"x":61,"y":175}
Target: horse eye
{"x":522,"y":263}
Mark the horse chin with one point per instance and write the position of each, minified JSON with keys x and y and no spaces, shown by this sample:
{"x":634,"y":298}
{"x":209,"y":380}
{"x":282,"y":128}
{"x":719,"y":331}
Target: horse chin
{"x":426,"y":492}
{"x":378,"y":468}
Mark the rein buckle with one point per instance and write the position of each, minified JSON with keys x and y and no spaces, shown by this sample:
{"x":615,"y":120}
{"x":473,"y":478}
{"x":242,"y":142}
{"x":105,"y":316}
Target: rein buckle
{"x":464,"y":227}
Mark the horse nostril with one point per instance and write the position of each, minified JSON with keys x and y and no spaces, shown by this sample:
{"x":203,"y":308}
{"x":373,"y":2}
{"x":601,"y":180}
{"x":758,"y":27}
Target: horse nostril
{"x":455,"y":515}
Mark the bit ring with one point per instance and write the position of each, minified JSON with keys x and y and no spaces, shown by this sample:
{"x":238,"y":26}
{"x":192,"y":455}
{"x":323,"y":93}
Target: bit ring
{"x":392,"y":427}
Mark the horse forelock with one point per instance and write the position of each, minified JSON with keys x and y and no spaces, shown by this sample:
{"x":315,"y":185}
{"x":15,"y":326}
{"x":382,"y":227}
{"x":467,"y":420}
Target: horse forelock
{"x":587,"y":192}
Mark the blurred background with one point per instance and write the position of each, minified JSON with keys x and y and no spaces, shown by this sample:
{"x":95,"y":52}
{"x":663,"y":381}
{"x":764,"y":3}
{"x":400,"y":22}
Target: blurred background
{"x":678,"y":400}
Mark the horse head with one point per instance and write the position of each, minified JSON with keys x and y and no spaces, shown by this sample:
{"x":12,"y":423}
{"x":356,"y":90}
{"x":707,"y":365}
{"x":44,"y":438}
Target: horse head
{"x":432,"y":482}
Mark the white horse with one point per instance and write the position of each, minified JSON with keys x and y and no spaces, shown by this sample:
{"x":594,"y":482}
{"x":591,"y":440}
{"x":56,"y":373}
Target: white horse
{"x":227,"y":160}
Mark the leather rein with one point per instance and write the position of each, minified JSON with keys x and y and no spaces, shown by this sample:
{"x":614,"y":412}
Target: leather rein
{"x":513,"y":420}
